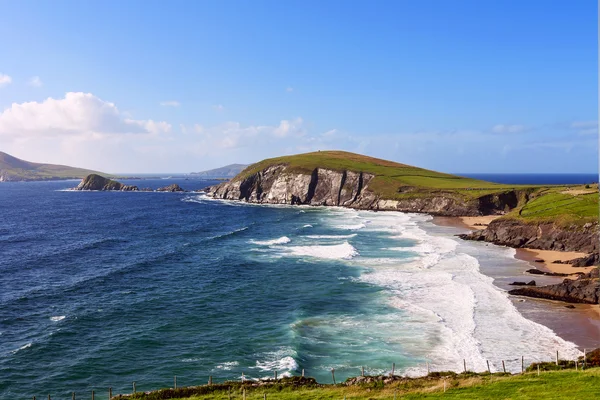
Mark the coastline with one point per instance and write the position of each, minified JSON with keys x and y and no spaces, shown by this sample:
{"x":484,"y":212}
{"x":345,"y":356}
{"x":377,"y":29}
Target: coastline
{"x":580,"y":325}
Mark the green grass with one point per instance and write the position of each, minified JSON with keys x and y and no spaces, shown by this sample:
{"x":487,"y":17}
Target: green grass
{"x":566,"y":384}
{"x":553,"y":205}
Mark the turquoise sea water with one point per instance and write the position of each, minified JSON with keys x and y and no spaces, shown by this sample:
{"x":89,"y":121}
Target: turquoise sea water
{"x":101,"y":289}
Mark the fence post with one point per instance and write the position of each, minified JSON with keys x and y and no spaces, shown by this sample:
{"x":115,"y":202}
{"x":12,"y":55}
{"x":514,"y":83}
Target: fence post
{"x":465,"y":365}
{"x":133,"y":386}
{"x":427,"y":367}
{"x":275,"y":375}
{"x":503,"y":366}
{"x":244,"y":394}
{"x":522,"y":364}
{"x":538,"y":369}
{"x":109,"y":393}
{"x":584,"y":358}
{"x":242,"y":377}
{"x":303,"y":372}
{"x":393,"y":368}
{"x":229,"y":394}
{"x":49,"y":397}
{"x":362,"y":371}
{"x":210,"y":380}
{"x":175,"y":382}
{"x":265,"y":396}
{"x":488,"y":365}
{"x":333,"y":375}
{"x":92,"y":395}
{"x":556,"y":357}
{"x":73,"y":396}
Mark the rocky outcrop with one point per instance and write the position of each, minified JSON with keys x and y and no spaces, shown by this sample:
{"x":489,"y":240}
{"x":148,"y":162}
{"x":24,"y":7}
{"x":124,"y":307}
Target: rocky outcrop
{"x":97,"y":182}
{"x":585,"y":289}
{"x":544,"y":236}
{"x":171,"y":188}
{"x":323,"y":187}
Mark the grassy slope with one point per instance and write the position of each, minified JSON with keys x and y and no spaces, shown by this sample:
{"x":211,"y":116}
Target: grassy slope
{"x":566,"y":384}
{"x":561,"y":206}
{"x":549,"y":203}
{"x":18,"y":169}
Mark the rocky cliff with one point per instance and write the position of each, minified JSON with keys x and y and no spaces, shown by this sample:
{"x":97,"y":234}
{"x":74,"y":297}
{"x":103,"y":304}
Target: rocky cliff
{"x":585,"y":289}
{"x":97,"y":182}
{"x":544,"y":236}
{"x":278,"y":184}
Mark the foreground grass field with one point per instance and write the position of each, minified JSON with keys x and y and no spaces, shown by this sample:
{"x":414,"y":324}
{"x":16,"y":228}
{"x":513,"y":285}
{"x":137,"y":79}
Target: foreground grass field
{"x":567,"y":384}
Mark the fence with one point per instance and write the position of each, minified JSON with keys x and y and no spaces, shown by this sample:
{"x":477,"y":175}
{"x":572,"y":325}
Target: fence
{"x":578,"y":366}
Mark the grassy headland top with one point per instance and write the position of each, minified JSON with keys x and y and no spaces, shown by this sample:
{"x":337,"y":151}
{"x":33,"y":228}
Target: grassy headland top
{"x":15,"y":169}
{"x":392,"y":180}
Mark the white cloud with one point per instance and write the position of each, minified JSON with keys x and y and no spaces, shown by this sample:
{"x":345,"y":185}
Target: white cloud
{"x":501,"y":128}
{"x":35,"y":81}
{"x":4,"y":79}
{"x":289,"y":89}
{"x":74,"y":115}
{"x":218,"y":108}
{"x":170,"y":103}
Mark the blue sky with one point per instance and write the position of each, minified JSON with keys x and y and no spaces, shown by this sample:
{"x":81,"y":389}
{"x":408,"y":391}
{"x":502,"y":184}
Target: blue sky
{"x":456,"y":86}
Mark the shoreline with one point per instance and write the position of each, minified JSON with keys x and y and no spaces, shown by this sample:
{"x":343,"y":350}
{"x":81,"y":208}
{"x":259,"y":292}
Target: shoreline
{"x":579,"y":325}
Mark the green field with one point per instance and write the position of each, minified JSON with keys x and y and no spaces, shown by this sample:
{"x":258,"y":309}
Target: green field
{"x":566,"y":384}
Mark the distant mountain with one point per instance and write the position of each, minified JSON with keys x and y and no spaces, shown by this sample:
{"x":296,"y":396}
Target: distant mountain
{"x":15,"y":169}
{"x":228,"y":171}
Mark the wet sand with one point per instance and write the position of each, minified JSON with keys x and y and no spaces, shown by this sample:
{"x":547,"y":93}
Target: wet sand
{"x":549,"y":256}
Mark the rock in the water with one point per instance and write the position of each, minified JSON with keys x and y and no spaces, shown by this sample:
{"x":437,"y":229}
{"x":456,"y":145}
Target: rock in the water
{"x":570,"y":306}
{"x":97,"y":182}
{"x":538,"y":260}
{"x":171,"y":188}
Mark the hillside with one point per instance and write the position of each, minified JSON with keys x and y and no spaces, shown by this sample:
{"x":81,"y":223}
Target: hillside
{"x":228,"y":171}
{"x":15,"y":169}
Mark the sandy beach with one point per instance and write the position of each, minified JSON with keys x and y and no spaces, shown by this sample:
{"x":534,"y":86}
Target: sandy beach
{"x":476,"y":223}
{"x":549,"y":256}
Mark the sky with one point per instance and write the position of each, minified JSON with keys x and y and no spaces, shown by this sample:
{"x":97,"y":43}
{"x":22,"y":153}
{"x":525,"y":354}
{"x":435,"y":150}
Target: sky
{"x":183,"y":86}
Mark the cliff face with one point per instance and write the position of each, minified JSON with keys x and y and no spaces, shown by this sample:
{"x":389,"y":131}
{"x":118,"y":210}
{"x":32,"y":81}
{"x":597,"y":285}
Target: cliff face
{"x":544,"y":236}
{"x":277,"y":185}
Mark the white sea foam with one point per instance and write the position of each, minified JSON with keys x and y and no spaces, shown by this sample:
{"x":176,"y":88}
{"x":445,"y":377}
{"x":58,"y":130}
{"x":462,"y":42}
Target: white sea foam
{"x":344,"y":251}
{"x":352,"y":227}
{"x":57,"y":318}
{"x":457,"y":308}
{"x":281,"y":361}
{"x":25,"y":346}
{"x":281,"y":240}
{"x":227,"y":366}
{"x":331,"y":236}
{"x":307,"y":226}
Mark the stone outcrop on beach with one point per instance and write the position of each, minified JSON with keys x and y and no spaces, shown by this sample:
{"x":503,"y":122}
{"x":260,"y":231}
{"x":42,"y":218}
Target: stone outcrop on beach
{"x":584,"y":289}
{"x":543,"y":236}
{"x":324,"y":187}
{"x":97,"y":182}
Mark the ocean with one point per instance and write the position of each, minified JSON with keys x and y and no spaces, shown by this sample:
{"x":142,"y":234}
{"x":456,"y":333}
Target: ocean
{"x":100,"y":289}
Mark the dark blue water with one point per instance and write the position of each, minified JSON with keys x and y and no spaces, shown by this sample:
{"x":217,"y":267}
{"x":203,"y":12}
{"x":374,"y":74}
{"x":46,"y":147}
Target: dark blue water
{"x":99,"y":289}
{"x":537,"y":179}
